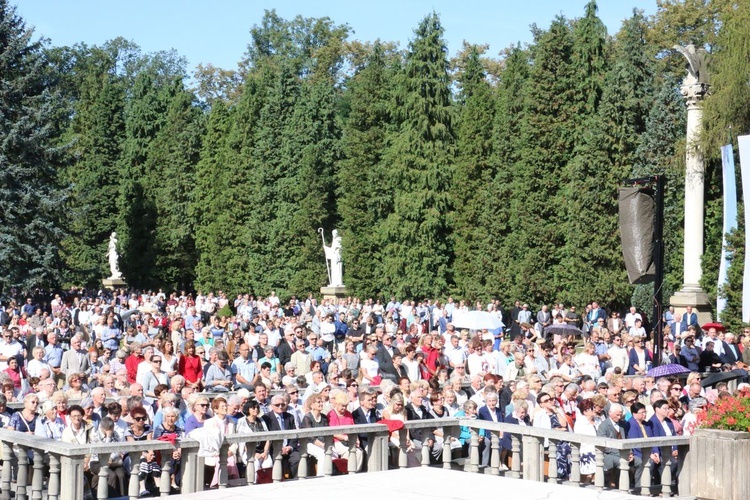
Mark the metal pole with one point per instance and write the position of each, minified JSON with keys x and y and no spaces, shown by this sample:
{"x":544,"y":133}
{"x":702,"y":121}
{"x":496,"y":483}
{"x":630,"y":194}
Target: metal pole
{"x":658,"y":325}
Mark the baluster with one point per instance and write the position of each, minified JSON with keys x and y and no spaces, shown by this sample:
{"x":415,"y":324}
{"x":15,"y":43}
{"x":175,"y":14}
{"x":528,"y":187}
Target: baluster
{"x":134,"y":486}
{"x":666,"y":471}
{"x":7,"y":474}
{"x":552,"y":469}
{"x":625,"y":470}
{"x":515,"y":449}
{"x":328,"y":457}
{"x":303,"y":467}
{"x":495,"y":454}
{"x":403,"y":437}
{"x":646,"y":474}
{"x":53,"y":483}
{"x":165,"y":481}
{"x":447,"y":450}
{"x":683,"y":471}
{"x":355,"y":454}
{"x":599,"y":476}
{"x":222,"y":465}
{"x":102,"y":488}
{"x":540,"y":454}
{"x":250,"y":470}
{"x":191,"y":470}
{"x":22,"y":477}
{"x":37,"y":481}
{"x":473,"y":463}
{"x":575,"y":466}
{"x":425,"y":454}
{"x":278,"y":467}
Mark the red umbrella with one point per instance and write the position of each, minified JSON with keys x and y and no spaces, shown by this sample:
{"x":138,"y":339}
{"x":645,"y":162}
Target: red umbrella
{"x":718,"y":326}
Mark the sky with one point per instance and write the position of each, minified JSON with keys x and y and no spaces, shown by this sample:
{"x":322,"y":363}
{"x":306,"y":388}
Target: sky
{"x":217,"y":31}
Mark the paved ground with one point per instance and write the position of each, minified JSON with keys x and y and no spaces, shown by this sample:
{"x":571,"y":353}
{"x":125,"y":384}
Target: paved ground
{"x":412,"y":484}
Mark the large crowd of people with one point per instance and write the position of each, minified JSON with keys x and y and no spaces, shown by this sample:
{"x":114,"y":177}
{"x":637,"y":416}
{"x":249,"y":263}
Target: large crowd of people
{"x":140,"y":366}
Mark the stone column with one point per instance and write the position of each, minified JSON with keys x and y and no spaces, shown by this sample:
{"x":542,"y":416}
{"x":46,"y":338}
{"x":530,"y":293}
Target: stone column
{"x":694,"y":88}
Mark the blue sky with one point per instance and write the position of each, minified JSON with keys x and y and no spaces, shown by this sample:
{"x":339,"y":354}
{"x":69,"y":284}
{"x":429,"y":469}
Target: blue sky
{"x":217,"y":32}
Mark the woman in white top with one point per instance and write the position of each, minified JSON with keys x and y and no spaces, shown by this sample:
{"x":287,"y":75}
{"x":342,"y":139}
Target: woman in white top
{"x":588,"y":362}
{"x":585,"y":425}
{"x":212,"y":438}
{"x":36,"y":365}
{"x":368,"y":367}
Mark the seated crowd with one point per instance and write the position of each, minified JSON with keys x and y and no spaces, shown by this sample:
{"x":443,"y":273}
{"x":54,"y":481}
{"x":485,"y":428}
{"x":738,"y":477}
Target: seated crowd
{"x":306,"y":365}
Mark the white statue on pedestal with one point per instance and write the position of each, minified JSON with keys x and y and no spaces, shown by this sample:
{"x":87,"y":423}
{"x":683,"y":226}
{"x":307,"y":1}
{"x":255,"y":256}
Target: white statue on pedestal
{"x":113,"y":257}
{"x":333,"y":254}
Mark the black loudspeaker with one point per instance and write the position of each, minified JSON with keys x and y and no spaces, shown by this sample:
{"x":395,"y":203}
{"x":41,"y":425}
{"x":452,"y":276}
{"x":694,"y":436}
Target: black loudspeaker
{"x":637,"y":212}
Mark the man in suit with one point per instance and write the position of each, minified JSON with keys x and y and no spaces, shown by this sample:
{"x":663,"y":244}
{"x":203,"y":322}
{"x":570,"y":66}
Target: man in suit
{"x":415,"y":410}
{"x":611,"y":428}
{"x":731,"y":353}
{"x":639,"y":428}
{"x":286,"y":348}
{"x":661,"y":426}
{"x":366,"y":413}
{"x":34,"y":339}
{"x":76,"y":360}
{"x":278,"y":419}
{"x":688,"y":318}
{"x":385,"y":358}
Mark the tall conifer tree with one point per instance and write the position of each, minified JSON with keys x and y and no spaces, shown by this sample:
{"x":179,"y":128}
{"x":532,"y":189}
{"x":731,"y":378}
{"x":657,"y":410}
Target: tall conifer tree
{"x":416,"y":239}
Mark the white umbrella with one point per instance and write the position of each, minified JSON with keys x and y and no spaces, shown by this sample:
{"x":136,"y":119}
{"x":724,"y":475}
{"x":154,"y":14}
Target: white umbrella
{"x":478,"y":320}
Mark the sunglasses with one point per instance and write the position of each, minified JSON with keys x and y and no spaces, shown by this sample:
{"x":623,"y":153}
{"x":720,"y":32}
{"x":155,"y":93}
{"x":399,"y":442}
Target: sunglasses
{"x":204,"y":405}
{"x":139,"y":419}
{"x":294,"y":392}
{"x":278,"y":405}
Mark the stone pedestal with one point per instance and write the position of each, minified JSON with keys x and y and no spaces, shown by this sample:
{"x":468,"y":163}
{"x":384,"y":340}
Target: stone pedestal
{"x":112,"y":283}
{"x":697,"y":299}
{"x":718,"y":464}
{"x":333,"y":292}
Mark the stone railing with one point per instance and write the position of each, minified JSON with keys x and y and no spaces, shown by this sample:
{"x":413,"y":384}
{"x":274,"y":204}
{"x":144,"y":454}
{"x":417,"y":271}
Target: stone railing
{"x":527,"y":457}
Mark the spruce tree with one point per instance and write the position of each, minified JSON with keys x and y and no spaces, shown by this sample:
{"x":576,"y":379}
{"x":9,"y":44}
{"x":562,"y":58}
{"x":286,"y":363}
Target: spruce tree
{"x":31,"y":198}
{"x":97,"y":131}
{"x":547,"y":138}
{"x":499,"y":218}
{"x":362,"y":187}
{"x":416,"y":248}
{"x":473,"y":176}
{"x":173,"y":155}
{"x":591,"y":262}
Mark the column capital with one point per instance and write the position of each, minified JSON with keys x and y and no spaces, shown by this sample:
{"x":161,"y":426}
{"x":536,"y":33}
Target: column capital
{"x":695,"y":85}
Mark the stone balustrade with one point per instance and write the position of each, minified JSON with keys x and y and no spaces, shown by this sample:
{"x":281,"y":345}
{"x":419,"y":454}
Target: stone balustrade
{"x":528,"y":455}
{"x":65,"y":462}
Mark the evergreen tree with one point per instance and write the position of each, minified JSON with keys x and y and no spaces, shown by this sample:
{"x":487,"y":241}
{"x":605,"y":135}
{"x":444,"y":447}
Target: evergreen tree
{"x":173,"y":155}
{"x":473,"y":176}
{"x":30,"y":194}
{"x":547,"y":139}
{"x":144,"y":118}
{"x":499,"y":218}
{"x":415,"y":239}
{"x":209,"y":208}
{"x":362,"y":188}
{"x":589,"y":61}
{"x":97,"y":130}
{"x":592,"y":263}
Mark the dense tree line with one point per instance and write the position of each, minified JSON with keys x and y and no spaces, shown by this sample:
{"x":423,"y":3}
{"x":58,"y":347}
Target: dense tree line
{"x":476,"y":176}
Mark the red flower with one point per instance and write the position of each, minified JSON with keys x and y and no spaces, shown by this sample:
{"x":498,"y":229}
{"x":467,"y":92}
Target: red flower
{"x":731,"y":420}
